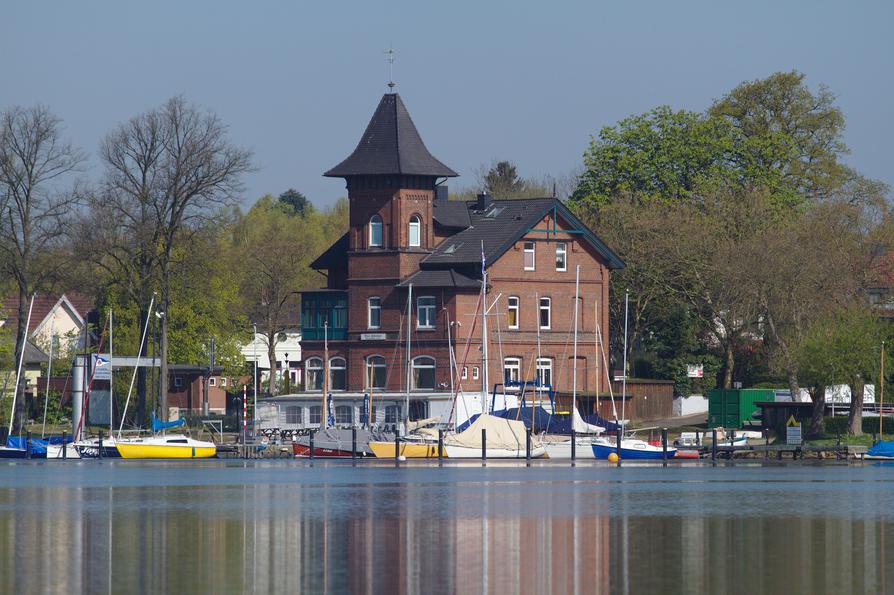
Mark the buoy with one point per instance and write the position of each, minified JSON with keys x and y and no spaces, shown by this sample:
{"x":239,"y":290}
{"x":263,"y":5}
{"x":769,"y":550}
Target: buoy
{"x":612,"y":457}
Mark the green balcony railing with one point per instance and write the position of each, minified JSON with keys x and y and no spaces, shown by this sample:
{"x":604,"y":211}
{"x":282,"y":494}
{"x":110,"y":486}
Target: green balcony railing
{"x":319,"y":308}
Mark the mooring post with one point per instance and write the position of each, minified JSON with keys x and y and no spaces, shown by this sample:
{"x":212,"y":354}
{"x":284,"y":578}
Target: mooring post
{"x":573,"y":445}
{"x":618,"y":446}
{"x":714,"y":445}
{"x":64,"y":445}
{"x":664,"y":445}
{"x":483,"y":444}
{"x":440,"y":444}
{"x":100,"y":445}
{"x":838,"y":437}
{"x":397,"y":449}
{"x":28,"y":445}
{"x":353,"y":445}
{"x":767,"y":444}
{"x":528,"y":446}
{"x":310,"y":453}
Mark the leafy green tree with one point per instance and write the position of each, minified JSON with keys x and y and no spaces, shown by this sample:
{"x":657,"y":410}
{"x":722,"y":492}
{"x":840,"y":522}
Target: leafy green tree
{"x":502,"y":180}
{"x":296,"y":201}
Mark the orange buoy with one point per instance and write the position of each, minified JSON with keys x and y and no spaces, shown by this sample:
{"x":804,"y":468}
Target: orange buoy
{"x":612,"y":457}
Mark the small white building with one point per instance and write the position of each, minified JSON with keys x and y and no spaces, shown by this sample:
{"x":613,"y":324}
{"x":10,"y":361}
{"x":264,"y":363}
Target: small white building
{"x":288,"y":356}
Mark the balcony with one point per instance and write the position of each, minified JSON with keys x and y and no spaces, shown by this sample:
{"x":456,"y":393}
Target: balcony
{"x":321,"y":307}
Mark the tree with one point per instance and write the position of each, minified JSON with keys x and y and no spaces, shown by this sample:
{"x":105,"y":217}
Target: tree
{"x":167,"y":172}
{"x":296,"y":201}
{"x":35,"y":206}
{"x":502,"y":180}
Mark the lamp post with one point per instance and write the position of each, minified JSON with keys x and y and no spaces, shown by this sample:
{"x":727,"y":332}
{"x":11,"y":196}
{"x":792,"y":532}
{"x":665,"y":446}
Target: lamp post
{"x":254,"y":343}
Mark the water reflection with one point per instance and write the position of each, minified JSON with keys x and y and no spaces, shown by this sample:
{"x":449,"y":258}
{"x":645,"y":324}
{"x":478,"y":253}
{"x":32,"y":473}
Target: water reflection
{"x":288,"y":529}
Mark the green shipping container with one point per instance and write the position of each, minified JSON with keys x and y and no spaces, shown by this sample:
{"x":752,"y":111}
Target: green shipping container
{"x":736,"y":407}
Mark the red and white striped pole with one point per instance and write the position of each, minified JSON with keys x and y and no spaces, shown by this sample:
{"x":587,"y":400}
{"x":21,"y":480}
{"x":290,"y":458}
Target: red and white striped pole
{"x":244,"y":412}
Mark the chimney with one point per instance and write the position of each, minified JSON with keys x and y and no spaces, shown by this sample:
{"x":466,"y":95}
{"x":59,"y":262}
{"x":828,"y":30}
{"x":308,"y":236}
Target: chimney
{"x":441,"y":192}
{"x":484,"y":200}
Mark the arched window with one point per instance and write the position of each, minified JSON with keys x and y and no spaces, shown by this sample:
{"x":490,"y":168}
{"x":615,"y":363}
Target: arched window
{"x":375,"y":231}
{"x":415,"y":230}
{"x":313,"y":374}
{"x":344,"y":414}
{"x":338,"y":373}
{"x":424,"y":372}
{"x":375,"y":371}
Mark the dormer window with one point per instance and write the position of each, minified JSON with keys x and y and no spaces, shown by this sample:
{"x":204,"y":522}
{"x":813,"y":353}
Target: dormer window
{"x":375,"y":231}
{"x":415,"y":231}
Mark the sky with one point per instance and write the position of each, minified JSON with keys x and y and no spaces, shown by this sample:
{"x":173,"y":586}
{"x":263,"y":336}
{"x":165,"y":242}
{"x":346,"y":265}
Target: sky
{"x":525,"y":81}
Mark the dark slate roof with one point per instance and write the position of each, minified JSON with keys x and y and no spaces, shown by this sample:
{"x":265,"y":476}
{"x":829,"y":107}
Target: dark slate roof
{"x":452,"y":214}
{"x":500,"y":225}
{"x":391,"y":145}
{"x":440,"y":278}
{"x":335,"y":255}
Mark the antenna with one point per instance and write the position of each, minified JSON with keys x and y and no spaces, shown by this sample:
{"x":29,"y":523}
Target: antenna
{"x":390,"y":59}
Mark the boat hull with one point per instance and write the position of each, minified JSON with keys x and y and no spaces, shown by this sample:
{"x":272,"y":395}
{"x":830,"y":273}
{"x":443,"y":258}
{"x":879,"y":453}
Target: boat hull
{"x":562,"y":450}
{"x":467,"y":452}
{"x":136,"y":450}
{"x":646,"y":452}
{"x":90,"y":450}
{"x":303,"y":450}
{"x":11,"y":453}
{"x":409,"y":450}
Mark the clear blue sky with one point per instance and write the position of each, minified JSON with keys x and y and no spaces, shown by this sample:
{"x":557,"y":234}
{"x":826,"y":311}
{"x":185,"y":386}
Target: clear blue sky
{"x":524,"y":81}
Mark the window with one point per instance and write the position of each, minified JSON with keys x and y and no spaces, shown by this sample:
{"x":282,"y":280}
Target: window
{"x":423,"y":372}
{"x":223,"y":381}
{"x":425,"y":312}
{"x":178,"y":382}
{"x":374,"y":312}
{"x":544,"y":372}
{"x":344,"y":414}
{"x":338,"y":373}
{"x":293,"y":415}
{"x":415,"y":230}
{"x":392,"y":414}
{"x":375,"y":231}
{"x":544,"y":312}
{"x":475,"y":373}
{"x":315,"y":414}
{"x":374,"y":414}
{"x":561,"y":256}
{"x":375,"y":371}
{"x":465,"y":374}
{"x":313,"y":374}
{"x":511,"y":369}
{"x":212,"y":381}
{"x":529,"y":256}
{"x":513,"y":312}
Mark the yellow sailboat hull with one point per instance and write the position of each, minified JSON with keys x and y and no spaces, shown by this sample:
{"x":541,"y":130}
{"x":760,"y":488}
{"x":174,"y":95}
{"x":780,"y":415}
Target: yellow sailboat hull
{"x":164,"y":451}
{"x":409,"y":450}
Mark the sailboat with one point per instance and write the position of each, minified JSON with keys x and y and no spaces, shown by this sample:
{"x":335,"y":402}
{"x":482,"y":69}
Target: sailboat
{"x":631,"y":448}
{"x":174,"y":446}
{"x":8,"y":450}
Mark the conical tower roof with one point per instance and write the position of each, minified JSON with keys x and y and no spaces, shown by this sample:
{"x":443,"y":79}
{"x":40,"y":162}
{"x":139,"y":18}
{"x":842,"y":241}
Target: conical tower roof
{"x":391,"y":145}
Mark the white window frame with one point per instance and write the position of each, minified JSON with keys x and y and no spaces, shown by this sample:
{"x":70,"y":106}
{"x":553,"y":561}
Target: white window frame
{"x":429,"y":318}
{"x":178,"y":382}
{"x":513,"y":304}
{"x":341,"y":408}
{"x":311,"y":366}
{"x":530,"y":247}
{"x":415,"y":221}
{"x":369,"y":311}
{"x":513,"y":364}
{"x":562,"y":250}
{"x":465,"y":373}
{"x":223,"y":381}
{"x":545,"y":305}
{"x":544,"y":364}
{"x":212,"y":381}
{"x":338,"y":363}
{"x":475,"y":373}
{"x":425,"y":362}
{"x":369,"y":364}
{"x":375,"y":223}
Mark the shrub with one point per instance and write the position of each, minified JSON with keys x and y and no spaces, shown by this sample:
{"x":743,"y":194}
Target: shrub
{"x":838,"y":425}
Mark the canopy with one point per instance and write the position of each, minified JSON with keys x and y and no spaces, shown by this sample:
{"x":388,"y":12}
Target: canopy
{"x":540,"y":420}
{"x":158,"y":425}
{"x":38,"y":445}
{"x":882,"y":449}
{"x":501,"y":433}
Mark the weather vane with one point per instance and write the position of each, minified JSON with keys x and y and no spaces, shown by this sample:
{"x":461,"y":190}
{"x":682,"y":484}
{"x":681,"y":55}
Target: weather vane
{"x":390,"y":57}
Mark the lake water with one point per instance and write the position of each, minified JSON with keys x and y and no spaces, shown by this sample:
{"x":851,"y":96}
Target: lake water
{"x":286,"y":527}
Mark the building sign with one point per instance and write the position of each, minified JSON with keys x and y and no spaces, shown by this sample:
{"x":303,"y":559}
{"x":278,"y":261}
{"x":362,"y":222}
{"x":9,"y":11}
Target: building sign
{"x":373,"y":336}
{"x":695,"y":370}
{"x":792,"y":432}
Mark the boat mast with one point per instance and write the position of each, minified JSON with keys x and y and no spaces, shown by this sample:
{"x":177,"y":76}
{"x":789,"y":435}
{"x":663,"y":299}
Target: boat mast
{"x":450,"y":356}
{"x":323,"y":409}
{"x":574,"y":364}
{"x":111,"y":375}
{"x":624,"y":377}
{"x":15,"y":391}
{"x":881,"y":399}
{"x":484,"y":375}
{"x":46,"y":399}
{"x":408,"y":363}
{"x":136,"y":367}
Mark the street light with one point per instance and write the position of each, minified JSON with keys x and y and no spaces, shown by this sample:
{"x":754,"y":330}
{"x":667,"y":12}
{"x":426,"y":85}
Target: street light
{"x":254,"y":414}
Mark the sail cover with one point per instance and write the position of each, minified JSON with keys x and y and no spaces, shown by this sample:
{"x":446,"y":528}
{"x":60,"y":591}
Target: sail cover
{"x":882,"y":448}
{"x":158,"y":425}
{"x":501,"y":433}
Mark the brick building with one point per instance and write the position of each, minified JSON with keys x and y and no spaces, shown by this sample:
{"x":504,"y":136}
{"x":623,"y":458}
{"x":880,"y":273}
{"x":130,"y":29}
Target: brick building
{"x":407,"y":242}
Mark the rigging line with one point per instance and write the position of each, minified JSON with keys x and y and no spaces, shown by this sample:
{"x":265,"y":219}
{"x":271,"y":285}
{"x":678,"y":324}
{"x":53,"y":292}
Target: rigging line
{"x":607,"y":371}
{"x":90,"y":384}
{"x":502,"y":359}
{"x":465,"y":355}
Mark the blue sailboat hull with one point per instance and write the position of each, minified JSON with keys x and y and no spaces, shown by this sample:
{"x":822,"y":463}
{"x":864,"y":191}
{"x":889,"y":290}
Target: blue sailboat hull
{"x":602,"y":451}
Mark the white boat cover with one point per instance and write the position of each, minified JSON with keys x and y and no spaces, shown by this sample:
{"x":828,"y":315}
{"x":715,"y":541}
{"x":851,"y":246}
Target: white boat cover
{"x":501,"y":433}
{"x":412,"y":426}
{"x":581,"y":427}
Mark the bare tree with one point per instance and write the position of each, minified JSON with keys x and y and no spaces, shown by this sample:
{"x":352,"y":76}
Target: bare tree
{"x":35,"y":206}
{"x":167,"y":171}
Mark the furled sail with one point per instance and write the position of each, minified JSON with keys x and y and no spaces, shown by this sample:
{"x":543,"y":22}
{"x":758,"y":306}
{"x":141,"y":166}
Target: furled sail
{"x":158,"y":425}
